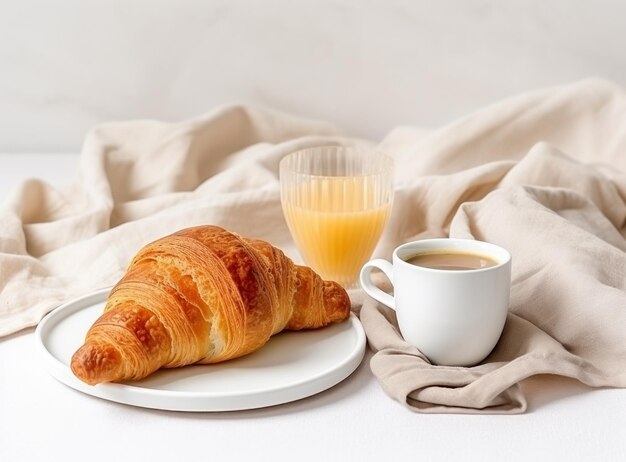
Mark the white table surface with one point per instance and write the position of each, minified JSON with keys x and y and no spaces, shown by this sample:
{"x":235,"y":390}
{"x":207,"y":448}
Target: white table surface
{"x":41,"y":419}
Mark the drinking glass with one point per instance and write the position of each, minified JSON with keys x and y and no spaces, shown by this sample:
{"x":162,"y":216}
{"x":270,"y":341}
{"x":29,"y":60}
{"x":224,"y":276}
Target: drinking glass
{"x":336,"y":201}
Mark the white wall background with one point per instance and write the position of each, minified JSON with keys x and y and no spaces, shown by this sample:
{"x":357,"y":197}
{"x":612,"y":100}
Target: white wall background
{"x":66,"y":65}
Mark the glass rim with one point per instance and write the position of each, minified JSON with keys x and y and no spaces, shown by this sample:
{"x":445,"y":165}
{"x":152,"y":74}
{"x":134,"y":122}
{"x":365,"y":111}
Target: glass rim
{"x":387,"y":166}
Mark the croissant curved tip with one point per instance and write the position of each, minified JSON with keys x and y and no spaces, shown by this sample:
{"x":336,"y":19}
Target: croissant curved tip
{"x":95,"y":363}
{"x":336,"y":302}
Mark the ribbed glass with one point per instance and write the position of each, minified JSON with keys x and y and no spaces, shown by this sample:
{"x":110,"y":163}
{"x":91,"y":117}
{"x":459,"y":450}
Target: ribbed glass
{"x":336,"y":201}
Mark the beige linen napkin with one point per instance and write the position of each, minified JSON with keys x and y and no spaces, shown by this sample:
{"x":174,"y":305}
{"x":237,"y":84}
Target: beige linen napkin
{"x":540,"y":174}
{"x":139,"y":181}
{"x":501,"y":176}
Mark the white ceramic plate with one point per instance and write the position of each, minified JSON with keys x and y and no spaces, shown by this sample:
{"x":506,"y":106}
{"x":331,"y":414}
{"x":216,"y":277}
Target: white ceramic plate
{"x":291,"y":366}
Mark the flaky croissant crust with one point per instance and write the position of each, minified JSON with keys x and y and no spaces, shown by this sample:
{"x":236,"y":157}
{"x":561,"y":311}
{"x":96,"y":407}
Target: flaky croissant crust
{"x":202,"y":295}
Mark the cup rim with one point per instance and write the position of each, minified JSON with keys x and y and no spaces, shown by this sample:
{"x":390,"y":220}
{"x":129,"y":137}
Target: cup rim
{"x":503,"y":256}
{"x":387,"y":168}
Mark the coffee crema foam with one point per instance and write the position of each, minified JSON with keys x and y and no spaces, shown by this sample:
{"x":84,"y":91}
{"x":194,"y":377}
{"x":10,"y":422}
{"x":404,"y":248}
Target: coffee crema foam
{"x":452,"y":260}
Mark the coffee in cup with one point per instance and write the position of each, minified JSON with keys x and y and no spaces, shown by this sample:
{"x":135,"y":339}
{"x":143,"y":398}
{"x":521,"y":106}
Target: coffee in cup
{"x":452,"y":260}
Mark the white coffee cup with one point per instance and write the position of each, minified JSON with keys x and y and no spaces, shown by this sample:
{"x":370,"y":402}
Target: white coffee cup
{"x":454,"y":317}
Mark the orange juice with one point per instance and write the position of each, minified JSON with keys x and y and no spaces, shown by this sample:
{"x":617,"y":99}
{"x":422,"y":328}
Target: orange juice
{"x":336,"y":223}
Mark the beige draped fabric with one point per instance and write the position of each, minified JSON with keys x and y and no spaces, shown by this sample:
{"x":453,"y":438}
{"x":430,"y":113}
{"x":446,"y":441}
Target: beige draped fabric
{"x":541,"y":174}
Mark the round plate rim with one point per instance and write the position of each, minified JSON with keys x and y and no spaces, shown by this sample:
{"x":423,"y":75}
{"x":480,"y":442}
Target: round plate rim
{"x":190,"y":401}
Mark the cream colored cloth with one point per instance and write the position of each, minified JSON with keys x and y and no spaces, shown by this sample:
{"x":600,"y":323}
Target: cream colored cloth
{"x":541,"y":174}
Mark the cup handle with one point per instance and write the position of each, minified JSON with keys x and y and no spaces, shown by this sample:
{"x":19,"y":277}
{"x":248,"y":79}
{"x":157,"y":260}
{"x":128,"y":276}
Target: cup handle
{"x":370,"y":288}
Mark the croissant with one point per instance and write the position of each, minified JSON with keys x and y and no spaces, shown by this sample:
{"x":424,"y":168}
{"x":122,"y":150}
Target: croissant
{"x":199,"y":296}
